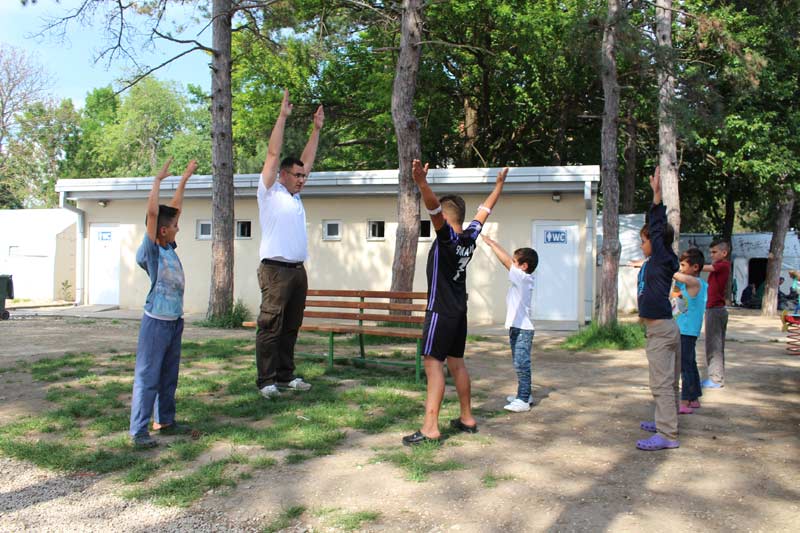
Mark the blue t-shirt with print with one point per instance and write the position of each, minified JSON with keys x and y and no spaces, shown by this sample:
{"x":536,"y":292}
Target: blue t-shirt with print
{"x":165,"y":299}
{"x":690,"y":318}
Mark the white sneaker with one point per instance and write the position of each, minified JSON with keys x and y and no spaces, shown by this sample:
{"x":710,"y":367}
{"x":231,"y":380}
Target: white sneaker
{"x":510,"y":399}
{"x":296,"y":384}
{"x":518,"y":406}
{"x":269,"y":391}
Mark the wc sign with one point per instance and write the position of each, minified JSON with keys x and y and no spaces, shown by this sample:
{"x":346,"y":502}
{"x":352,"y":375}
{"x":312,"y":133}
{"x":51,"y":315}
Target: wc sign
{"x":555,"y":237}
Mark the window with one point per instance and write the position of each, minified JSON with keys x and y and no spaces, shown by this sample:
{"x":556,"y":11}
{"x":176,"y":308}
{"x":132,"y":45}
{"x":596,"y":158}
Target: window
{"x":424,"y":229}
{"x":375,"y":230}
{"x":243,"y":229}
{"x":331,"y":230}
{"x":203,"y":230}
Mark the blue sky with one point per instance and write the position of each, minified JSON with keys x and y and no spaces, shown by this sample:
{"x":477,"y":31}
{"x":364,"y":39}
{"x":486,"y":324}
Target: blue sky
{"x":71,"y":62}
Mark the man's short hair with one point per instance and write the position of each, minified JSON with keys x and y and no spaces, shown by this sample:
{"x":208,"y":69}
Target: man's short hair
{"x":721,"y":243}
{"x":694,"y":257}
{"x":289,"y":162}
{"x":668,"y":233}
{"x":166,"y":215}
{"x":529,"y":256}
{"x":455,"y":207}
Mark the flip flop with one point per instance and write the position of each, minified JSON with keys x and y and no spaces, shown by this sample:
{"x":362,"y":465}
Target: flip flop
{"x":694,"y":404}
{"x":648,"y":426}
{"x":685,"y":410}
{"x":418,"y":438}
{"x":656,"y":442}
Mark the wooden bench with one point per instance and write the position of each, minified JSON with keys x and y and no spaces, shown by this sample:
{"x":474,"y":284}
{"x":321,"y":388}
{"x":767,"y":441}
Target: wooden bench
{"x":365,"y":313}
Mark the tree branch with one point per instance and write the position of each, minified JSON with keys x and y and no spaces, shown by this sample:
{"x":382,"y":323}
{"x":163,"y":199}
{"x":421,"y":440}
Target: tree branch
{"x":197,"y":45}
{"x":143,"y":75}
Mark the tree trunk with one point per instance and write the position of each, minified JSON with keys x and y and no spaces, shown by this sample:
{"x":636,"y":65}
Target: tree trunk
{"x":769,"y":304}
{"x":220,"y":299}
{"x":730,"y":214}
{"x":668,"y":159}
{"x":470,"y":131}
{"x":629,"y":178}
{"x":406,"y":128}
{"x":610,"y":181}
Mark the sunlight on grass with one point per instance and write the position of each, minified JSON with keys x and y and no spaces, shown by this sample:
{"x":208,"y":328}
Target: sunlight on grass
{"x":612,"y":337}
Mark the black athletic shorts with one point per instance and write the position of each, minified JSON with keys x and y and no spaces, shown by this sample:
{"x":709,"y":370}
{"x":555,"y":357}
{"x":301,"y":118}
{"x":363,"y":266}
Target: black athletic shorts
{"x":444,"y":336}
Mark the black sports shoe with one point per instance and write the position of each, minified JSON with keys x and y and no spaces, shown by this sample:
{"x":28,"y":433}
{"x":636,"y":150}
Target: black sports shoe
{"x":418,"y":438}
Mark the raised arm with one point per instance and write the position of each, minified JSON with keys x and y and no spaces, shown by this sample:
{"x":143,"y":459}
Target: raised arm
{"x":310,"y":151}
{"x":486,"y":207}
{"x":655,"y":184}
{"x":499,"y":251}
{"x":270,"y":171}
{"x":152,"y":201}
{"x":177,"y":199}
{"x":430,"y":200}
{"x":691,"y":282}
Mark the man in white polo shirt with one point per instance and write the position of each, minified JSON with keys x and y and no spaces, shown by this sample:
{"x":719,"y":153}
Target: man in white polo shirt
{"x":284,"y":248}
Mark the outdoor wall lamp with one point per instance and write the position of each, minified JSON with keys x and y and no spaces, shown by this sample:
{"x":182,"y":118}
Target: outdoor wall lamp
{"x":102,"y":203}
{"x":556,"y":196}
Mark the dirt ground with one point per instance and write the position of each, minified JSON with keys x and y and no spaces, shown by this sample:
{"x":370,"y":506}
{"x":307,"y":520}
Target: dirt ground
{"x":571,"y":462}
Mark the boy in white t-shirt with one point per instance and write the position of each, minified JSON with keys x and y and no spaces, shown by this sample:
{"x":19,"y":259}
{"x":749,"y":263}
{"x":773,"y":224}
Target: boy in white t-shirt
{"x":518,"y":318}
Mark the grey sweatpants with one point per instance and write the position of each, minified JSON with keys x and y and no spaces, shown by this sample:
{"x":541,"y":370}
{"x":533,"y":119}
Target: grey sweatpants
{"x":664,"y":362}
{"x":716,"y":326}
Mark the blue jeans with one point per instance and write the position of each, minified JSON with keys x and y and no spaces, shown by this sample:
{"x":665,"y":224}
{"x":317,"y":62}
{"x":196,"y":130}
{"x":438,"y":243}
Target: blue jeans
{"x":158,"y":354}
{"x":521,"y":341}
{"x":690,"y":376}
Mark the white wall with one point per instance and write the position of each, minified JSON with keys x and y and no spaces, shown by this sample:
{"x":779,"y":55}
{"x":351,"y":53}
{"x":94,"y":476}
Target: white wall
{"x":352,"y":263}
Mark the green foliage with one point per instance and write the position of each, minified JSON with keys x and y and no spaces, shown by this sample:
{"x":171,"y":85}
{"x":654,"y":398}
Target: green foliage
{"x":614,"y":336}
{"x":419,"y":462}
{"x":238,"y":314}
{"x":285,"y":519}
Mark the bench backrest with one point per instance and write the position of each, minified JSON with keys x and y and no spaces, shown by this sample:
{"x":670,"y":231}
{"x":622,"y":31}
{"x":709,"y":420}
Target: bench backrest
{"x":368,"y":306}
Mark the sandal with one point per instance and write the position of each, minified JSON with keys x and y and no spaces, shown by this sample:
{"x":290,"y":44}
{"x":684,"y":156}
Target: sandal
{"x":685,"y":410}
{"x":418,"y":438}
{"x":648,"y":426}
{"x":694,"y":404}
{"x":656,"y":442}
{"x":456,"y":423}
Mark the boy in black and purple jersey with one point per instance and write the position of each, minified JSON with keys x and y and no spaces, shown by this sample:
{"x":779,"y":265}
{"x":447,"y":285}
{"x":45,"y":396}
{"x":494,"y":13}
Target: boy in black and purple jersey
{"x":445,"y":330}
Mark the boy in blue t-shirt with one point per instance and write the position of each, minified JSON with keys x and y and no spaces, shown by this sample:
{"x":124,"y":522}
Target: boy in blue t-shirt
{"x":689,"y":297}
{"x":663,"y":336}
{"x":158,"y":351}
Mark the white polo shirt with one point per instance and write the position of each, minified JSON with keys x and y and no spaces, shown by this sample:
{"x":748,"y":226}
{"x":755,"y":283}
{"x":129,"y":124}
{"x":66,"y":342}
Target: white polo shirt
{"x":283,"y":224}
{"x":519,"y":299}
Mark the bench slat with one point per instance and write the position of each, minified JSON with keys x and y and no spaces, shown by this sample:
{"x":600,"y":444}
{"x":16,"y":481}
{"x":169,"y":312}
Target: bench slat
{"x":365,"y":305}
{"x":373,"y":317}
{"x":408,"y":333}
{"x":399,"y":295}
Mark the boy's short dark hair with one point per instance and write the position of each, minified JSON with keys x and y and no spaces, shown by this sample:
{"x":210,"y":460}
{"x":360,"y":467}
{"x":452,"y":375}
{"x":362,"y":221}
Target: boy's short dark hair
{"x":455,"y":207}
{"x":694,"y":257}
{"x":668,"y":234}
{"x":166,"y":215}
{"x":529,"y":256}
{"x":722,"y":243}
{"x":289,"y":162}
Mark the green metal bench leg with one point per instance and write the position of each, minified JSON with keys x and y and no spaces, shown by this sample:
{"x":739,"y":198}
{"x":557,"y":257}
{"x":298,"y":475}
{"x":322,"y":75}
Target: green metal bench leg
{"x":361,"y":344}
{"x":419,"y":360}
{"x":330,"y":351}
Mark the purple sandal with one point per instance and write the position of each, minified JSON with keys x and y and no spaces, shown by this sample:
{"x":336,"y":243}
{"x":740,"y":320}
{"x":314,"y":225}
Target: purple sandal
{"x":656,"y":442}
{"x":648,"y":426}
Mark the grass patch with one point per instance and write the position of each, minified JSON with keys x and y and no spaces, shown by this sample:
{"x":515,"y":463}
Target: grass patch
{"x":419,"y":462}
{"x":614,"y":336}
{"x":263,"y":462}
{"x":490,"y":479}
{"x":285,"y":519}
{"x":140,"y":472}
{"x":185,"y":490}
{"x":477,"y":338}
{"x":354,"y":521}
{"x":69,"y":457}
{"x":232,"y":320}
{"x":62,"y":368}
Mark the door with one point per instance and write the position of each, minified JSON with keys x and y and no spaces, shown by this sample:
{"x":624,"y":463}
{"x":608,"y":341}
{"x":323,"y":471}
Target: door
{"x":104,"y":250}
{"x":555,"y":292}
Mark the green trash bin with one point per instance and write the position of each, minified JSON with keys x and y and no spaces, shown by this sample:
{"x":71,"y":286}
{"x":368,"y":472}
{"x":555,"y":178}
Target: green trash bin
{"x":6,"y":291}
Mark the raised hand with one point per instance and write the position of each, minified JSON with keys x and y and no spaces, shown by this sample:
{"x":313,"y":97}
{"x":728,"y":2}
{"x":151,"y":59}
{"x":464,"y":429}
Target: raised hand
{"x":501,"y":176}
{"x":164,"y":172}
{"x":286,"y":107}
{"x":655,"y":181}
{"x":319,"y":118}
{"x":489,"y":240}
{"x":419,"y":172}
{"x":190,"y":168}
